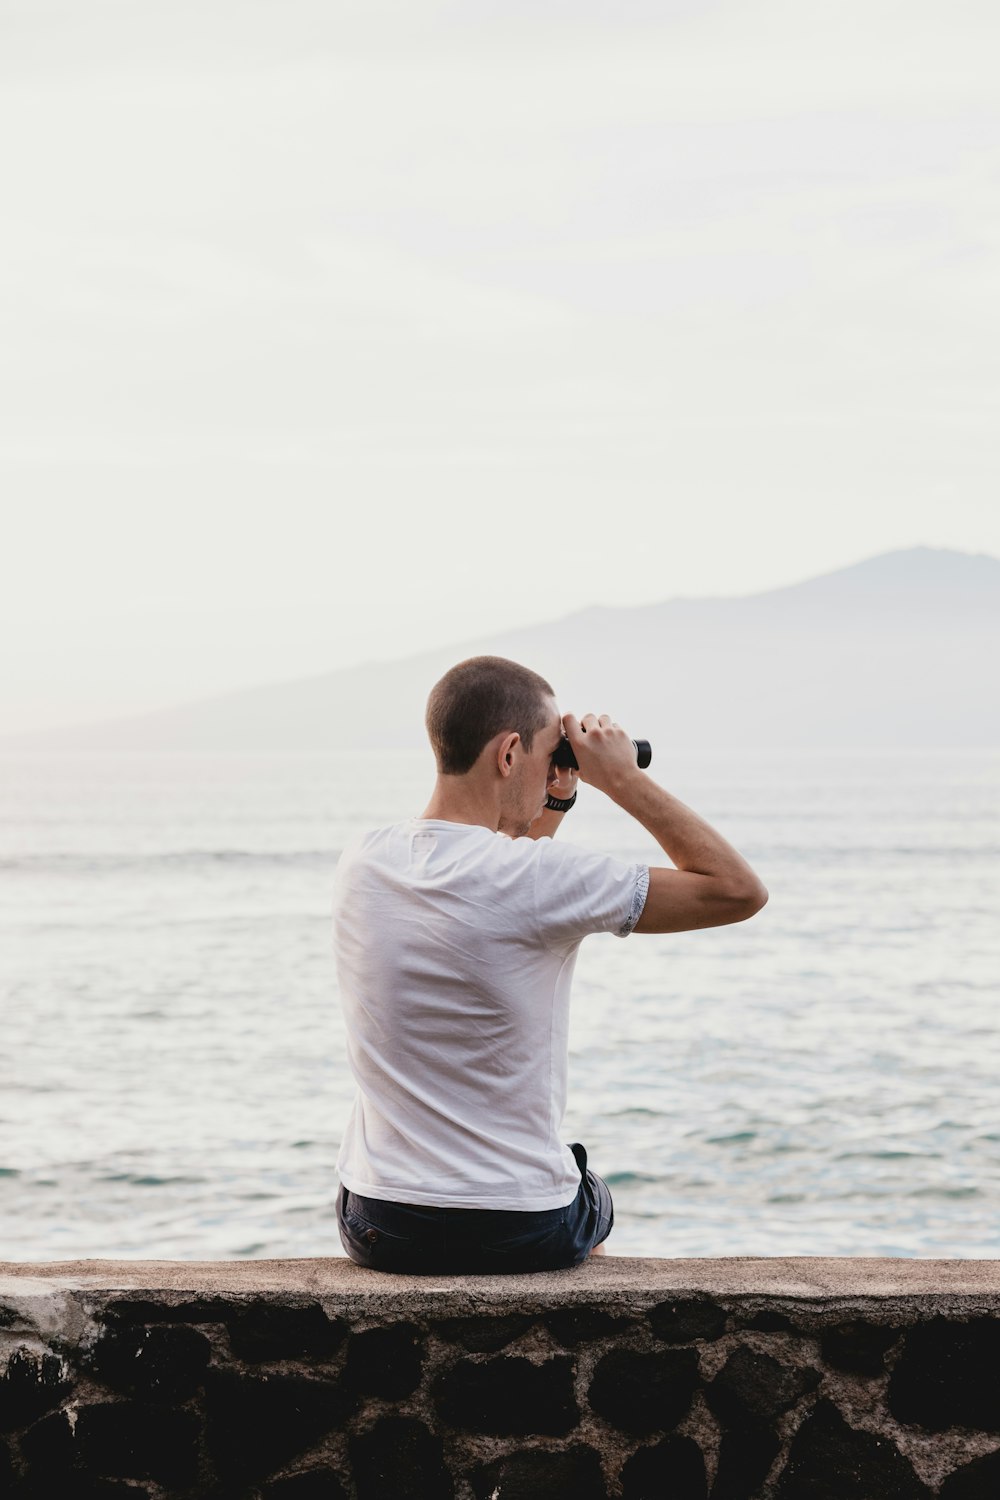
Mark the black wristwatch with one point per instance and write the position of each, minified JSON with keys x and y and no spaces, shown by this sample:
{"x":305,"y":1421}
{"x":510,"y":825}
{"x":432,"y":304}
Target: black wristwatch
{"x":558,"y":805}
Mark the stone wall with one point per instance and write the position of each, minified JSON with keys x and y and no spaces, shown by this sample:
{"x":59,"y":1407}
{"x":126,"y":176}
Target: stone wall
{"x":641,"y":1379}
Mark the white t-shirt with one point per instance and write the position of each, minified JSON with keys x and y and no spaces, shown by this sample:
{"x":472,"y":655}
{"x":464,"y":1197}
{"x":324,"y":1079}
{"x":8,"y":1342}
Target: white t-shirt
{"x":455,"y":953}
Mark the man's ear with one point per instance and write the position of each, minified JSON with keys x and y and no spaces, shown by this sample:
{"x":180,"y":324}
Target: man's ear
{"x":505,"y":758}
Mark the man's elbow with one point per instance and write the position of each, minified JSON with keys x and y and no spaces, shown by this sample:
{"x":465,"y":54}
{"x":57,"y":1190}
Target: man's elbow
{"x":752,"y":900}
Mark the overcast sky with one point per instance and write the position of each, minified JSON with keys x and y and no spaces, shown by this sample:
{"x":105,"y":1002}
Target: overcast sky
{"x":338,"y":330}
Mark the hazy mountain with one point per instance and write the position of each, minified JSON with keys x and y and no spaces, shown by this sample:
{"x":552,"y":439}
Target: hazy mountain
{"x":897,"y":650}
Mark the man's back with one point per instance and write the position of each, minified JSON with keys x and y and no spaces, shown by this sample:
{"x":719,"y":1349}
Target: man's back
{"x":455,"y":951}
{"x":457,"y":935}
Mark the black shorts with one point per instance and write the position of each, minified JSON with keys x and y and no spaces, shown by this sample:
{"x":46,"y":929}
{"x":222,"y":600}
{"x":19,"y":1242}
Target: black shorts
{"x":419,"y":1241}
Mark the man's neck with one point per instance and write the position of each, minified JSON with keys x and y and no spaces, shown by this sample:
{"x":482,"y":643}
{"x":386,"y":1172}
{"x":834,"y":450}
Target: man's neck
{"x":452,"y":802}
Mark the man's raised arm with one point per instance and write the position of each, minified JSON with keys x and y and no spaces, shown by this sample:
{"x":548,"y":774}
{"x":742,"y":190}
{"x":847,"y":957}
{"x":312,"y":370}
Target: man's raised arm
{"x":713,"y":884}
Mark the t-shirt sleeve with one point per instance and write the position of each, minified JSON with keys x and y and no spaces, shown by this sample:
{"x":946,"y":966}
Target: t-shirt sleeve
{"x":578,"y":891}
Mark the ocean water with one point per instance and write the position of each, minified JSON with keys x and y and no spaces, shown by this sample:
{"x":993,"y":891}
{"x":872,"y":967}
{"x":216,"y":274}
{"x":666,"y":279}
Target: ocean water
{"x":820,"y":1080}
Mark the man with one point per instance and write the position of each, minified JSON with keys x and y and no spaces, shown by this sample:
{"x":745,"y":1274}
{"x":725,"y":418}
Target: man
{"x":456,"y":936}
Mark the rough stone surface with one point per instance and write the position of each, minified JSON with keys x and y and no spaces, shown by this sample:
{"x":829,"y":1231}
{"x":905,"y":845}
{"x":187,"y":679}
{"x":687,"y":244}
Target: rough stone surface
{"x":572,"y":1326}
{"x":137,"y":1440}
{"x":29,"y":1387}
{"x":50,"y":1446}
{"x":400,"y":1459}
{"x":534,"y":1475}
{"x":311,"y":1484}
{"x":644,"y":1393}
{"x":85,"y":1487}
{"x":831,"y":1461}
{"x":858,"y":1345}
{"x":297,"y":1380}
{"x":805,"y":1280}
{"x":157,"y":1364}
{"x":766,"y":1322}
{"x":684,"y":1321}
{"x":746,"y":1454}
{"x":752,"y":1386}
{"x":385,"y":1361}
{"x":485,"y":1334}
{"x":947,"y":1375}
{"x":979,"y":1480}
{"x":509,"y":1396}
{"x":265,"y":1331}
{"x":675,"y":1467}
{"x":256,"y":1422}
{"x":194,"y":1310}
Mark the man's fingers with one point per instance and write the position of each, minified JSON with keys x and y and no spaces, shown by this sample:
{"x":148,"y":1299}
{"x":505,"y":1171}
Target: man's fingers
{"x":601,"y":747}
{"x":574,"y":726}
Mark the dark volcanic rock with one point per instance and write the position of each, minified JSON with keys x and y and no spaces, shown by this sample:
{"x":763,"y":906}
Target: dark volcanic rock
{"x":751,"y":1387}
{"x":747,"y":1394}
{"x":385,"y":1361}
{"x":746,"y":1454}
{"x":29,"y":1387}
{"x":830,"y":1461}
{"x":683,"y":1321}
{"x":54,"y":1472}
{"x":136,"y":1440}
{"x":508,"y":1396}
{"x":674,"y":1467}
{"x":581,"y":1324}
{"x":50,"y":1445}
{"x":946,"y":1375}
{"x":107,"y":1489}
{"x":484,"y":1335}
{"x":979,"y":1480}
{"x":766,"y":1321}
{"x":400,"y":1459}
{"x":85,"y":1487}
{"x":273,"y":1330}
{"x":644,"y":1393}
{"x":198,"y":1310}
{"x":859,"y":1346}
{"x":535,"y":1475}
{"x":156,"y":1364}
{"x":256,"y":1423}
{"x":311,"y":1484}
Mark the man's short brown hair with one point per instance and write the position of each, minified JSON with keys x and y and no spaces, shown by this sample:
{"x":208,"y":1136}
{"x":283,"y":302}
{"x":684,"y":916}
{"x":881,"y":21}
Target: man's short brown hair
{"x":478,"y":699}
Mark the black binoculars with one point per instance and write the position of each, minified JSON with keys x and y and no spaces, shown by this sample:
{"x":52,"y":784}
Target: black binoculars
{"x":564,"y":755}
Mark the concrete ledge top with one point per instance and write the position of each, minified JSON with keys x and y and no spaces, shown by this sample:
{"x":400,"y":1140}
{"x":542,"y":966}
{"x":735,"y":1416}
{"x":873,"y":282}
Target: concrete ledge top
{"x":809,"y":1278}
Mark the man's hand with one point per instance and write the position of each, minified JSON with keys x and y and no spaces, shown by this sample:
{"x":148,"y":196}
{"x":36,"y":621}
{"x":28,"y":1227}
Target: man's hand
{"x":712,"y":883}
{"x":605,"y":753}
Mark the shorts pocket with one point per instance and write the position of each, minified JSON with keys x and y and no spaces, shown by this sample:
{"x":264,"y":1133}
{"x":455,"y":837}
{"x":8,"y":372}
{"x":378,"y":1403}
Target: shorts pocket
{"x":536,"y":1248}
{"x":368,"y":1244}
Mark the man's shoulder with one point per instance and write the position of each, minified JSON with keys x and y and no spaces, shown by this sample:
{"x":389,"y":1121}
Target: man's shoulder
{"x":382,"y":841}
{"x":394,"y":841}
{"x":361,"y":843}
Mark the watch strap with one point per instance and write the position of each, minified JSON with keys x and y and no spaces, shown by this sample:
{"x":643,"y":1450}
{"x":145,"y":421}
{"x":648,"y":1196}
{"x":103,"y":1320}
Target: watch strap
{"x":558,"y":804}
